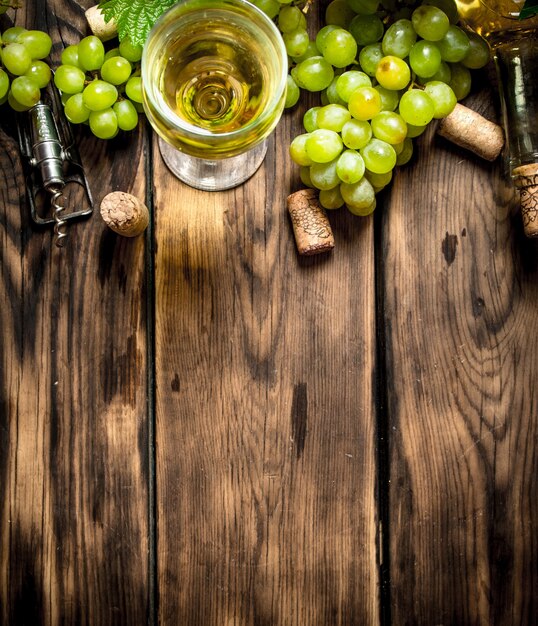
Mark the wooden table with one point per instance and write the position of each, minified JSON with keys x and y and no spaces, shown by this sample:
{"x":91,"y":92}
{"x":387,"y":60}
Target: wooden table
{"x":200,"y":428}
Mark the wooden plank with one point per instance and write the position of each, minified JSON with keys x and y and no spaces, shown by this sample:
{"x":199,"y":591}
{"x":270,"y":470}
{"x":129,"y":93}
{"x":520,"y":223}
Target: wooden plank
{"x":265,"y":413}
{"x":461,"y":306}
{"x":74,"y":427}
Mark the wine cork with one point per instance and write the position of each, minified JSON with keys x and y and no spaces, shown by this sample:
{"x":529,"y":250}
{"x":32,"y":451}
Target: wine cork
{"x":313,"y":234}
{"x":98,"y":26}
{"x":526,"y":180}
{"x":124,"y":214}
{"x":470,"y":130}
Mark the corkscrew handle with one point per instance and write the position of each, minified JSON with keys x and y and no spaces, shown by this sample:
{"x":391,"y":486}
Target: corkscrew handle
{"x":47,"y":152}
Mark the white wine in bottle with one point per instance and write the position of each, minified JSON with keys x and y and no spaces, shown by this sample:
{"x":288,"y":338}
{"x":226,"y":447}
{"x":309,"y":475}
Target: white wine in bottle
{"x":514,"y":42}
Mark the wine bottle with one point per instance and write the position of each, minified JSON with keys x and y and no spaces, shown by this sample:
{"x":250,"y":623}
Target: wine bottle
{"x":514,"y":42}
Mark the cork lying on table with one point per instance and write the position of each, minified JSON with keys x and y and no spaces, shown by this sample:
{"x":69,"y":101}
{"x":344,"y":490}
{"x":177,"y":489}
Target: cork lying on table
{"x":526,"y":180}
{"x":124,"y":213}
{"x":313,"y":234}
{"x":470,"y":130}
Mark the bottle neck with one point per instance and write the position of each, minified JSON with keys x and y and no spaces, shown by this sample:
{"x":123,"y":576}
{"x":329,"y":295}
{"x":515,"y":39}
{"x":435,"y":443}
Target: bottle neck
{"x":516,"y":60}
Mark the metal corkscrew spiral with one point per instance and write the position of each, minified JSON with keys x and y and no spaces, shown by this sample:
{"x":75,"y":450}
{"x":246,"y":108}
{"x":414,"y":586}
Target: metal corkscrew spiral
{"x":60,"y":224}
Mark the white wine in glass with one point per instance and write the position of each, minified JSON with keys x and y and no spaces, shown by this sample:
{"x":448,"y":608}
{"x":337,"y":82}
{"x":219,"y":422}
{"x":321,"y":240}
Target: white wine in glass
{"x":214,"y":82}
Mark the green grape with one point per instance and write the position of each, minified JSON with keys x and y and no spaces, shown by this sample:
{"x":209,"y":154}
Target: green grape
{"x":314,"y":74}
{"x":311,"y":51}
{"x":15,"y":104}
{"x":310,"y":119}
{"x":37,"y":43}
{"x":133,"y":89}
{"x":104,"y":123}
{"x":359,"y":195}
{"x":454,"y":45}
{"x":364,"y":7}
{"x":113,"y":52}
{"x":478,"y":54}
{"x":460,"y":80}
{"x":304,"y":175}
{"x":356,"y":134}
{"x":448,"y":7}
{"x":91,"y":53}
{"x":366,"y":29}
{"x":130,"y":51}
{"x":331,"y":198}
{"x":290,"y":18}
{"x":330,"y":95}
{"x":444,"y":99}
{"x":430,"y":22}
{"x":425,"y":58}
{"x":350,"y":166}
{"x":444,"y":74}
{"x":75,"y":110}
{"x":406,"y":153}
{"x":416,"y":107}
{"x":362,"y":211}
{"x":322,"y":35}
{"x":378,"y":181}
{"x":99,"y":95}
{"x":323,"y":145}
{"x":40,"y":73}
{"x":324,"y":175}
{"x":293,"y":93}
{"x":339,"y":48}
{"x":389,"y":98}
{"x":126,"y":114}
{"x":347,"y":82}
{"x":116,"y":70}
{"x":369,"y":58}
{"x":296,"y":42}
{"x":339,"y":13}
{"x":69,"y":56}
{"x":399,"y":38}
{"x":298,"y":151}
{"x":4,"y":83}
{"x":364,"y":103}
{"x":69,"y":79}
{"x":10,"y":35}
{"x":415,"y":131}
{"x":379,"y":156}
{"x":393,"y":73}
{"x":332,"y":117}
{"x":270,"y":7}
{"x":389,"y":127}
{"x":16,"y":59}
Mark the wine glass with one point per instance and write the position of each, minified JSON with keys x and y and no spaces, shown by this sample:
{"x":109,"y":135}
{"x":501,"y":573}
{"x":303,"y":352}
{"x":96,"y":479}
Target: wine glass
{"x":214,"y":78}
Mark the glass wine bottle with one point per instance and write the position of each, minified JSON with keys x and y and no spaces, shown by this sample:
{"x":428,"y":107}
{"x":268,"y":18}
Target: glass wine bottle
{"x":514,"y":41}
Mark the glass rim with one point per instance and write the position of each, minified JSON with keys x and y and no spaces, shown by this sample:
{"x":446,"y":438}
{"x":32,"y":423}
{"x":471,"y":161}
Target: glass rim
{"x":192,"y":130}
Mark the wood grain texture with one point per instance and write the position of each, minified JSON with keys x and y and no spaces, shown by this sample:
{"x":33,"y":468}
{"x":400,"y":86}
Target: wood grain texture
{"x":460,"y":307}
{"x":74,"y":429}
{"x":265,"y":413}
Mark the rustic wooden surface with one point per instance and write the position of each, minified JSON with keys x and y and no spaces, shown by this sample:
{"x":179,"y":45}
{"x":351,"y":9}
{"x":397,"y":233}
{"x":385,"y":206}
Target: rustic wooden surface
{"x":200,"y":428}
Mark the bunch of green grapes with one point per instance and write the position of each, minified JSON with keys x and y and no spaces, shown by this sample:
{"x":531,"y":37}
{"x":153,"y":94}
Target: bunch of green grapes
{"x":102,"y":89}
{"x":23,"y":72}
{"x":384,"y":73}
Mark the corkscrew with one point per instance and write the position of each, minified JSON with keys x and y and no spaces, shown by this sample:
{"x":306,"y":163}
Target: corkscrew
{"x":51,"y":163}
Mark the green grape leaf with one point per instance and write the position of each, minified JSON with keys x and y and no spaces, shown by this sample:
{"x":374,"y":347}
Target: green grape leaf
{"x":529,"y":9}
{"x":134,"y":18}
